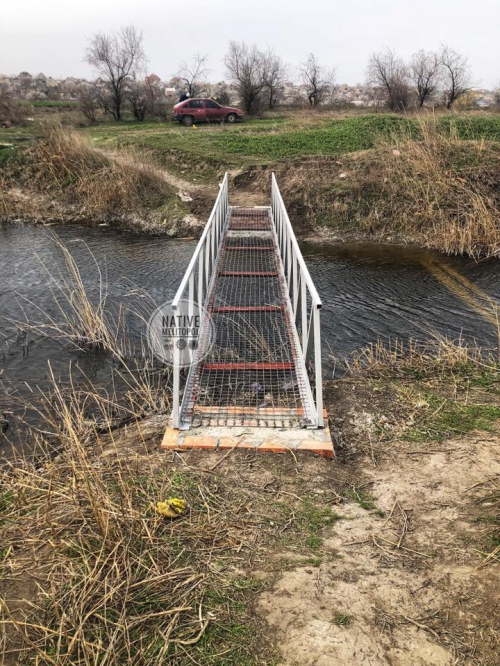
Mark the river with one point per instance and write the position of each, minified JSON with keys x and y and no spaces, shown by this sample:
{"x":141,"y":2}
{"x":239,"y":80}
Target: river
{"x":368,"y":290}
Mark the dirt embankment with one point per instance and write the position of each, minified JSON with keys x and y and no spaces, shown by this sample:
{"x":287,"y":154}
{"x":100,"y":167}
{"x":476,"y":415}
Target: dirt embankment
{"x":438,"y":191}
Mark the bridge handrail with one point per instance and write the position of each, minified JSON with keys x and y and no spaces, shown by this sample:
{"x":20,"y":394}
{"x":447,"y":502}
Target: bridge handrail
{"x":204,"y":259}
{"x":299,"y":282}
{"x":221,"y":205}
{"x":276,"y":197}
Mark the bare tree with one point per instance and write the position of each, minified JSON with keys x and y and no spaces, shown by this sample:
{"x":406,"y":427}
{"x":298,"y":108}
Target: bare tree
{"x":139,"y":99}
{"x":192,"y":73}
{"x":246,"y":69}
{"x":116,"y":56}
{"x":425,"y":69}
{"x":90,"y":101}
{"x":390,"y":76}
{"x":456,"y":75}
{"x":317,"y":79}
{"x":275,"y":74}
{"x":223,"y":98}
{"x":12,"y":112}
{"x":496,"y":97}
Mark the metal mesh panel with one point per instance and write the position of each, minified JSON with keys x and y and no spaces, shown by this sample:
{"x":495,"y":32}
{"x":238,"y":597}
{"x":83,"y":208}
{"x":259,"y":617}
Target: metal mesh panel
{"x":252,"y":374}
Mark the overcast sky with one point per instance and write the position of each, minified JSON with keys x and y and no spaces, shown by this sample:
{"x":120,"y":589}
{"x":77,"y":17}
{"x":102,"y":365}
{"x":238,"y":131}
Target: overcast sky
{"x":50,"y":36}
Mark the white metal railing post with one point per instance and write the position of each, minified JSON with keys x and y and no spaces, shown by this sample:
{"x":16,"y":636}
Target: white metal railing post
{"x":303,"y":315}
{"x":176,"y":389}
{"x":318,"y":378}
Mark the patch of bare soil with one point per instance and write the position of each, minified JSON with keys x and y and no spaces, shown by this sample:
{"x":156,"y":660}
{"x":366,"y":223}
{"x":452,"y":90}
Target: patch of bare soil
{"x":404,"y":577}
{"x":406,"y":586}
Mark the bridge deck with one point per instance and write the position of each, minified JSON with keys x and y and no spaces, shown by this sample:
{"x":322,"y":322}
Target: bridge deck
{"x":254,"y":374}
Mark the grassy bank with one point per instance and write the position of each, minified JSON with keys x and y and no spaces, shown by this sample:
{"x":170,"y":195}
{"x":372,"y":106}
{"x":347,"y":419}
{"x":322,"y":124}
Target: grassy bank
{"x":432,"y":188}
{"x":431,"y":180}
{"x":62,"y":175}
{"x":276,"y":554}
{"x":281,"y":137}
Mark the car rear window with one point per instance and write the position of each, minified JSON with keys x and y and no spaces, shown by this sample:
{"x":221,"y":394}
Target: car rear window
{"x":194,"y":104}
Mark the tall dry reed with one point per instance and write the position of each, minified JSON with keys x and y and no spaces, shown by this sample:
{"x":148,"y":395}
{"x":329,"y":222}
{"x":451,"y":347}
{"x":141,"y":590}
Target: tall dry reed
{"x":64,"y":163}
{"x":441,"y":190}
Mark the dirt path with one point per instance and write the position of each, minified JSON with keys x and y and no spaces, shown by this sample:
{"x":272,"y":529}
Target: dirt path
{"x":129,"y":159}
{"x":186,"y":188}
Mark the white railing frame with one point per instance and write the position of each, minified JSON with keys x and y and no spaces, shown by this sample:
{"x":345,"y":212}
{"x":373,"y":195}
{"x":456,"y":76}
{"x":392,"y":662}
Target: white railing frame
{"x":203,"y":261}
{"x":299,"y":284}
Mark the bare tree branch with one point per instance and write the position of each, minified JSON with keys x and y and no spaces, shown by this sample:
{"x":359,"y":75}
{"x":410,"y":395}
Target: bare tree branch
{"x":390,"y":75}
{"x":275,"y":74}
{"x":425,"y":70}
{"x":193,"y":73}
{"x":89,"y":98}
{"x":115,"y":57}
{"x":246,"y":69}
{"x":317,"y":79}
{"x":496,"y":96}
{"x":456,"y":75}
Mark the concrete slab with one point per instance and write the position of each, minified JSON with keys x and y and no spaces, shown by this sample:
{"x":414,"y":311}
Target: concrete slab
{"x":274,"y":440}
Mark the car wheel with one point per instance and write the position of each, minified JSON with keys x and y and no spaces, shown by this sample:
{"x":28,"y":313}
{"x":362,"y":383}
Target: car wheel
{"x":187,"y":120}
{"x":231,"y":118}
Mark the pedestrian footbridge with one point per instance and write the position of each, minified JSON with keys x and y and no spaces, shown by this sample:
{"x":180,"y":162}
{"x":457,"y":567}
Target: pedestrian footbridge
{"x":254,"y":373}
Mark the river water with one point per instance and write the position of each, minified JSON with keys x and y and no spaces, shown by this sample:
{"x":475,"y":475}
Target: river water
{"x":368,"y":291}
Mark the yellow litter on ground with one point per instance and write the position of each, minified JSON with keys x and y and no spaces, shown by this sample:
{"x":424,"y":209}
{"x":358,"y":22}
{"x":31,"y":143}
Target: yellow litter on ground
{"x":172,"y":507}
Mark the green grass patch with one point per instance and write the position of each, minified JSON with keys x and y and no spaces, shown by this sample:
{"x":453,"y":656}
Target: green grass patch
{"x":473,"y":127}
{"x":269,"y":140}
{"x":256,"y":141}
{"x":446,"y":418}
{"x":342,"y":620}
{"x":361,"y":497}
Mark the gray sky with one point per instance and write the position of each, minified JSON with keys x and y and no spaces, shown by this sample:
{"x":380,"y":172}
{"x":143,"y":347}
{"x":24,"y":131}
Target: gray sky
{"x":50,"y":36}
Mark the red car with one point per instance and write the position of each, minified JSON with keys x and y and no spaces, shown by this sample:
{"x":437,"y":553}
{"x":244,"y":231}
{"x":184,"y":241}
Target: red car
{"x":197,"y":110}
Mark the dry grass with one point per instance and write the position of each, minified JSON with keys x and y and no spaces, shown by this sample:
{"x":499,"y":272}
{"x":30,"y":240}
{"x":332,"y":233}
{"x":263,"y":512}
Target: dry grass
{"x":138,"y":385}
{"x":78,"y":318}
{"x":64,"y":164}
{"x":442,"y":190}
{"x":117,"y":584}
{"x":436,"y":357}
{"x":426,"y":185}
{"x":4,"y":209}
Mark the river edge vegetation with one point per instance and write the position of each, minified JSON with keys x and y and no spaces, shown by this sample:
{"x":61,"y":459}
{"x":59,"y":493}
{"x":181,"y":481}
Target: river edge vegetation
{"x":426,"y":179}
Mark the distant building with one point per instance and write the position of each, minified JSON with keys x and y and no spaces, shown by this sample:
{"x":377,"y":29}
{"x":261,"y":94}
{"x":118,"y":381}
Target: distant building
{"x":170,"y":93}
{"x":152,"y":79}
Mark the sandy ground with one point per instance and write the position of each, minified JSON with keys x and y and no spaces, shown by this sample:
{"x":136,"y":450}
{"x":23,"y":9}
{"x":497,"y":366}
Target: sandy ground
{"x":403,"y":578}
{"x":404,"y":589}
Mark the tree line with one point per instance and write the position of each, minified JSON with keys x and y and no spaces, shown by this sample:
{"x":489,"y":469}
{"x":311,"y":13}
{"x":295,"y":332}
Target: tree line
{"x":258,"y":77}
{"x":405,"y":85}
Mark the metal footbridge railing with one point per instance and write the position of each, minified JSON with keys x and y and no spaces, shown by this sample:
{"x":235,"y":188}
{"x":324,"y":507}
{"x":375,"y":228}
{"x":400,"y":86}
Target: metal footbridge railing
{"x":257,"y":361}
